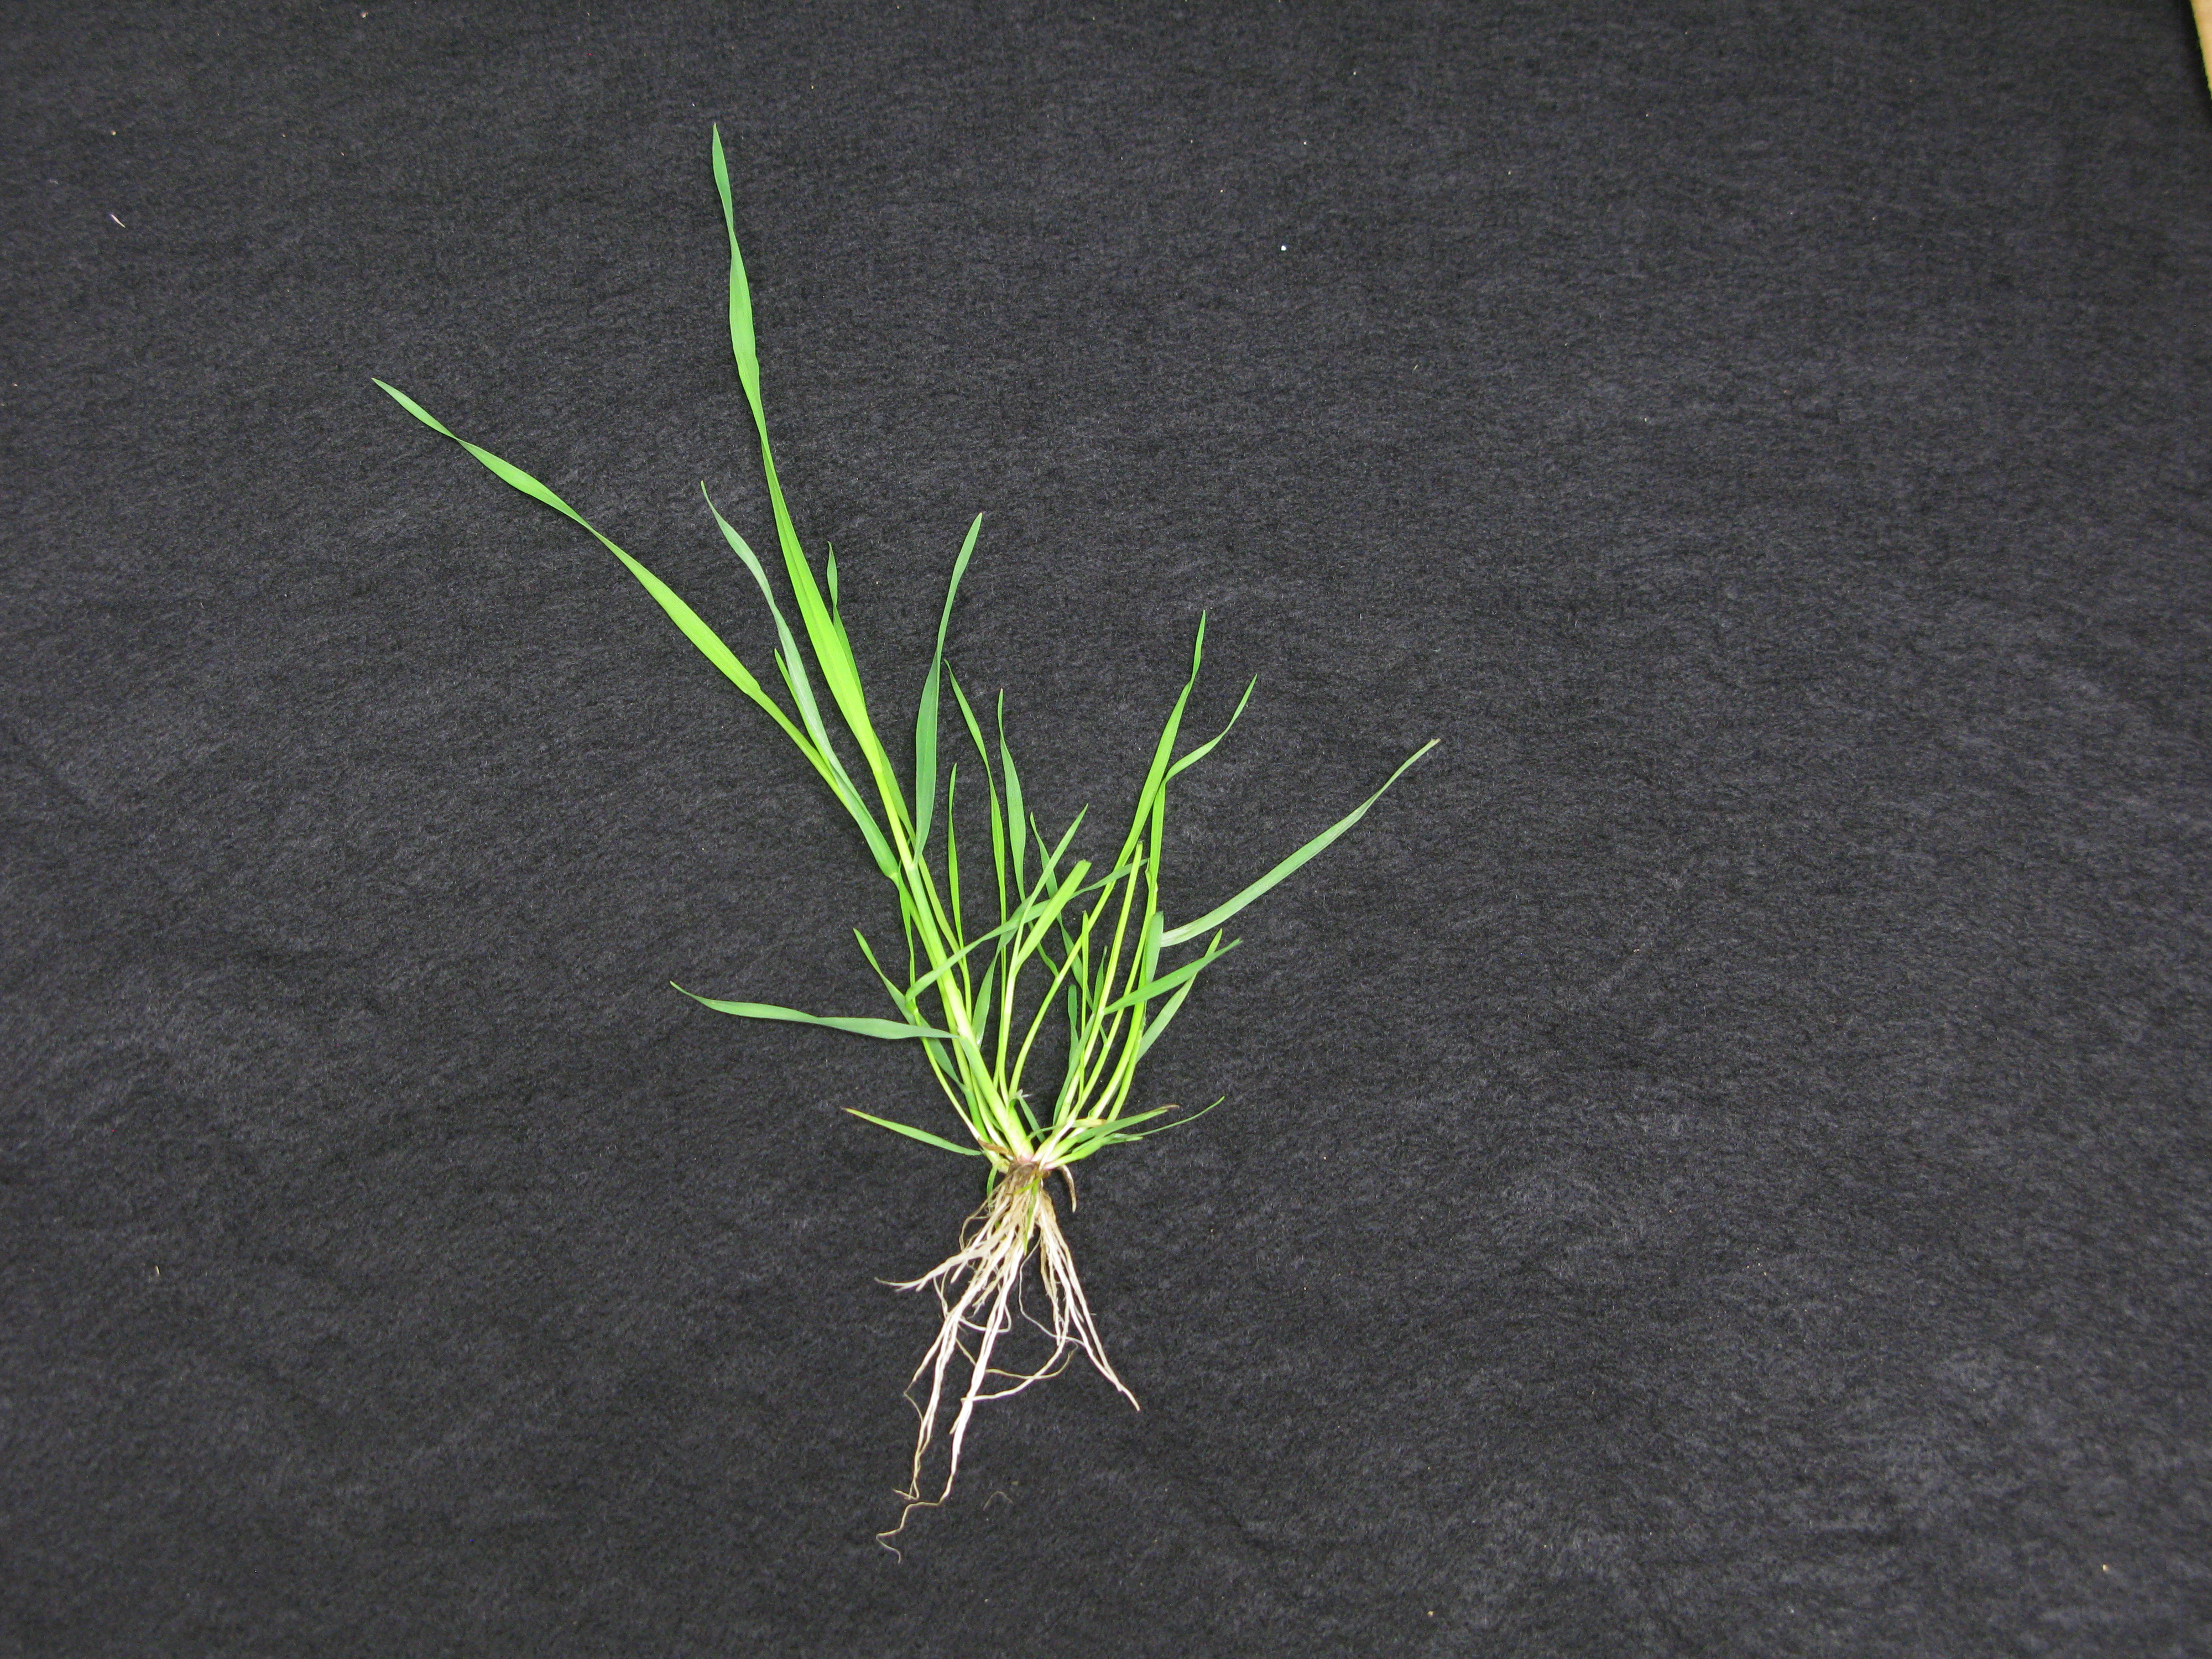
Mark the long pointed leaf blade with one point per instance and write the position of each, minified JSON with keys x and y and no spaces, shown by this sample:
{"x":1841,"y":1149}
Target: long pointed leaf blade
{"x":795,"y":675}
{"x":998,"y":817}
{"x":1161,"y":1128}
{"x":1157,"y":776}
{"x":1016,"y":823}
{"x":1313,"y":849}
{"x":708,"y":643}
{"x":924,"y":719}
{"x":889,"y":1029}
{"x":912,"y":1134}
{"x":1167,"y":981}
{"x":1156,"y":1026}
{"x":793,"y":669}
{"x":833,"y":652}
{"x":1089,"y":1129}
{"x":967,"y":714}
{"x":1115,"y":1135}
{"x":1047,"y":910}
{"x":741,"y":299}
{"x":1206,"y":748}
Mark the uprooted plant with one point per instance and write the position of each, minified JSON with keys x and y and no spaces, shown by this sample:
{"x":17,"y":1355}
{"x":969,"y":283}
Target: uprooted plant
{"x":1061,"y":934}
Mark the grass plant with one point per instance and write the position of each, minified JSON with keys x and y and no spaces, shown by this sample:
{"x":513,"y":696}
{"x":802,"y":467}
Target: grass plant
{"x":976,"y":976}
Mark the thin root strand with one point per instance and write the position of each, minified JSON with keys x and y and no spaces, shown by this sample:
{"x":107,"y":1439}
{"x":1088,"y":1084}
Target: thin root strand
{"x":978,"y":1290}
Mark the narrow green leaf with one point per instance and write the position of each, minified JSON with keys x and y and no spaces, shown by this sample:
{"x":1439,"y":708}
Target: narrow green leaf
{"x":1055,"y":900}
{"x":1221,"y":914}
{"x":833,"y":652}
{"x":1161,"y":1128}
{"x":1156,"y":777}
{"x":708,"y":642}
{"x":741,"y":299}
{"x":792,"y":663}
{"x":952,"y":857}
{"x":1016,"y":820}
{"x":1158,"y":1024}
{"x":1087,"y":1124}
{"x":924,"y":719}
{"x":793,"y":666}
{"x":912,"y":1134}
{"x":890,"y":1030}
{"x":1206,"y":748}
{"x":998,"y":818}
{"x":1167,"y":981}
{"x":1048,"y":862}
{"x":1116,"y":1132}
{"x":1089,"y":1131}
{"x":968,"y":715}
{"x":1148,"y":959}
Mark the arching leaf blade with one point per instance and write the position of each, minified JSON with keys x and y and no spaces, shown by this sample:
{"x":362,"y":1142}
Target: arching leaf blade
{"x":1291,"y":865}
{"x":889,"y":1029}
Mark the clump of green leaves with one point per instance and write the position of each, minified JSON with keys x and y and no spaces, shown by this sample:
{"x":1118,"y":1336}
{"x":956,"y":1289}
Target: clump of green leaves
{"x":978,"y":977}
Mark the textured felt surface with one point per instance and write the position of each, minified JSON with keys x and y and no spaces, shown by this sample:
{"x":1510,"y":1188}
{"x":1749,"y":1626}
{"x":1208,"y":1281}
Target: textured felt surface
{"x":1714,"y":1165}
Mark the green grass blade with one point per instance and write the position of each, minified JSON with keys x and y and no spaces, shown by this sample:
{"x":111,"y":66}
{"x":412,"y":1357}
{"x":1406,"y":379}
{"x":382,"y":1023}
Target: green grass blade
{"x":1156,"y":777}
{"x":912,"y":1134}
{"x":833,"y":652}
{"x":1017,"y":821}
{"x":792,"y":667}
{"x":1148,"y":955}
{"x":795,"y":664}
{"x":1048,"y":908}
{"x":905,"y":1001}
{"x":1091,"y":1125}
{"x":1049,"y":860}
{"x":1215,"y":917}
{"x":968,"y":717}
{"x":925,"y":718}
{"x":1206,"y":748}
{"x":889,"y":1029}
{"x":998,"y":818}
{"x":1161,"y":1128}
{"x":741,"y":297}
{"x":1167,"y":981}
{"x":1096,"y":1132}
{"x":951,"y":863}
{"x":693,"y":627}
{"x":1158,"y":1024}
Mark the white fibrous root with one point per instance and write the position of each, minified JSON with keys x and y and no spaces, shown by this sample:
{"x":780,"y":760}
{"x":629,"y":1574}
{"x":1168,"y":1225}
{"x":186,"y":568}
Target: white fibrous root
{"x":979,"y":1289}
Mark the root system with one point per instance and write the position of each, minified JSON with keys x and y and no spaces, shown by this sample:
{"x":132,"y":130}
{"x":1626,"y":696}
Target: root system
{"x":979,"y":1292}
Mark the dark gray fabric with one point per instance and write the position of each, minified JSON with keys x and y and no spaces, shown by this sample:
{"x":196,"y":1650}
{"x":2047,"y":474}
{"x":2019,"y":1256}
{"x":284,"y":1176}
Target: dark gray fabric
{"x":1714,"y":1165}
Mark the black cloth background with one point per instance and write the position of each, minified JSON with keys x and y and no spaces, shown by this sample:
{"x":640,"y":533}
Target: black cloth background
{"x":1714,"y":1165}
